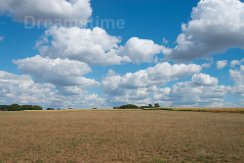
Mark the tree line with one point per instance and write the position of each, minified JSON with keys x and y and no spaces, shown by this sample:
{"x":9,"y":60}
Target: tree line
{"x":17,"y":107}
{"x":132,"y":106}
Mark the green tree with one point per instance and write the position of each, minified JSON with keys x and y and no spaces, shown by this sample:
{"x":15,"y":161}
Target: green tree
{"x":3,"y":107}
{"x":14,"y":107}
{"x":50,"y":109}
{"x":128,"y":106}
{"x":157,"y":105}
{"x":31,"y":107}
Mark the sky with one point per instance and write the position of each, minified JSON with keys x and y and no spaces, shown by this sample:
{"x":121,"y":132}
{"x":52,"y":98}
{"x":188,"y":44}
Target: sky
{"x":103,"y":53}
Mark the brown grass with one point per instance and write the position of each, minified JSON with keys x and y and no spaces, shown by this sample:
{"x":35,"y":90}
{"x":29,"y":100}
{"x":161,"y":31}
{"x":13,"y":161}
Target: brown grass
{"x":121,"y":136}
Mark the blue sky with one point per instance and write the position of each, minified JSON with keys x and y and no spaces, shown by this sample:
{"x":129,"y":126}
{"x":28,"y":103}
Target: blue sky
{"x":163,"y":18}
{"x":153,"y":58}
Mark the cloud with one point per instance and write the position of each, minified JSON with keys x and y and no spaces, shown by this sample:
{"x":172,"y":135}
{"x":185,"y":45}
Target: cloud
{"x":141,"y":50}
{"x":189,"y":93}
{"x":202,"y":90}
{"x":221,"y":64}
{"x":53,"y":11}
{"x":238,"y":75}
{"x":97,"y":47}
{"x":23,"y":90}
{"x":204,"y":80}
{"x":206,"y":65}
{"x":60,"y":72}
{"x":92,"y":46}
{"x":137,"y":86}
{"x":215,"y":26}
{"x":159,"y":74}
{"x":235,"y":63}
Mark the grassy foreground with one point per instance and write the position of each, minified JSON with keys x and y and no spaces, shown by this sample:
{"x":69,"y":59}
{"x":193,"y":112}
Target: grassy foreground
{"x":121,"y":136}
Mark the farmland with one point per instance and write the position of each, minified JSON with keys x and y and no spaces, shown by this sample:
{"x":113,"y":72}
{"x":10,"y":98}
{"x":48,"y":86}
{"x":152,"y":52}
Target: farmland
{"x":121,"y":136}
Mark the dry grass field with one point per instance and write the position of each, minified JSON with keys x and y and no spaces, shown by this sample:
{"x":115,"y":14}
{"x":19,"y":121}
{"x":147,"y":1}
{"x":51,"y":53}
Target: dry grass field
{"x":121,"y":136}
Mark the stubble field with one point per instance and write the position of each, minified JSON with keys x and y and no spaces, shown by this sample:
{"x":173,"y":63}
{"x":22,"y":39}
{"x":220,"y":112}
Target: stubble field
{"x":121,"y":136}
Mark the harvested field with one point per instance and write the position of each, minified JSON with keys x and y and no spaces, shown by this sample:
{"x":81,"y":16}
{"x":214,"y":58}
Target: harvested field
{"x":121,"y":136}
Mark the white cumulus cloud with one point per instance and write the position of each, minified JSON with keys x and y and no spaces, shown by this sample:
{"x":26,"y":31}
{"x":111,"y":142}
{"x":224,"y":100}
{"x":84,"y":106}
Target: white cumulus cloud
{"x":159,"y":74}
{"x":221,"y":64}
{"x":23,"y":90}
{"x":238,"y":75}
{"x":204,"y":80}
{"x":141,"y":50}
{"x":92,"y":46}
{"x":140,"y":85}
{"x":60,"y":72}
{"x":190,"y":94}
{"x":215,"y":26}
{"x":54,"y":11}
{"x":235,"y":63}
{"x":97,"y":47}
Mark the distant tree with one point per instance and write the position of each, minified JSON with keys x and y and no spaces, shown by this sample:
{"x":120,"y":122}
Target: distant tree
{"x":3,"y":107}
{"x":150,"y":105}
{"x":129,"y":106}
{"x":145,"y":107}
{"x":14,"y":107}
{"x":50,"y":109}
{"x":31,"y":107}
{"x":157,"y":105}
{"x":36,"y":107}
